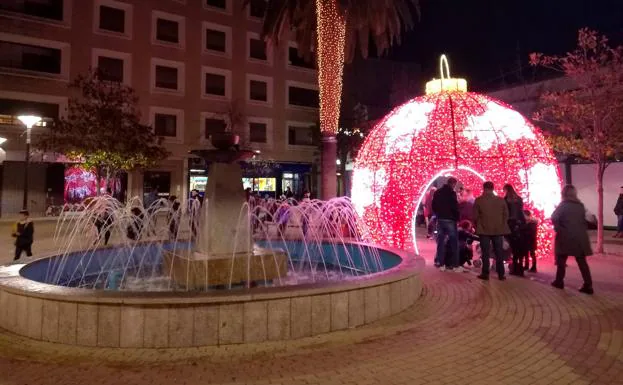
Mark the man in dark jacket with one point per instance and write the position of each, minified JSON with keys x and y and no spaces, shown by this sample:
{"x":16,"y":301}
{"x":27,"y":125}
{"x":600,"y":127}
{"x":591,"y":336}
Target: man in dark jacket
{"x":446,"y":209}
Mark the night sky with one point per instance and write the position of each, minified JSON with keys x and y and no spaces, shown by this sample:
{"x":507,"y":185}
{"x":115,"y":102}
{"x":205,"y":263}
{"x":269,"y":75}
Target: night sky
{"x":487,"y":41}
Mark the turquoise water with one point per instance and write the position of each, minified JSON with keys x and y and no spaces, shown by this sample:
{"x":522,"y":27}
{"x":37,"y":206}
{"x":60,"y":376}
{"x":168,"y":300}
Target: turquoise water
{"x":140,"y":268}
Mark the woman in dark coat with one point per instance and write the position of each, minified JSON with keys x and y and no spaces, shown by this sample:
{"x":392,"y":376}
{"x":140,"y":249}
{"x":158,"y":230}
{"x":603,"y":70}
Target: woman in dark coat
{"x":516,"y":223}
{"x":571,"y":238}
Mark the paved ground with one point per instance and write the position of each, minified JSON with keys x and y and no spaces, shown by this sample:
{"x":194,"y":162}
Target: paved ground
{"x":462,"y":331}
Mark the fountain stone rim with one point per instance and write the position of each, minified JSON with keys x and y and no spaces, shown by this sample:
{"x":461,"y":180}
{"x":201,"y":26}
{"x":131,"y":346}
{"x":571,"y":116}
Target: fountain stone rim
{"x":13,"y":282}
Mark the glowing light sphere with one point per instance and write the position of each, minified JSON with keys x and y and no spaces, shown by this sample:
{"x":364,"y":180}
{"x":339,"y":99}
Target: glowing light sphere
{"x":450,"y":131}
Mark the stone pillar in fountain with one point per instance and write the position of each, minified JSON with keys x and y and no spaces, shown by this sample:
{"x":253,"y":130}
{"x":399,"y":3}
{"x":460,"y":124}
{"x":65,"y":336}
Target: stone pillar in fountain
{"x":224,"y":225}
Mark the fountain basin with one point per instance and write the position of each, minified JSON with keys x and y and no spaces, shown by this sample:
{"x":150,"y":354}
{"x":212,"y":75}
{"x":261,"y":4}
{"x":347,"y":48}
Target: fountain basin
{"x":195,"y":271}
{"x":87,"y":317}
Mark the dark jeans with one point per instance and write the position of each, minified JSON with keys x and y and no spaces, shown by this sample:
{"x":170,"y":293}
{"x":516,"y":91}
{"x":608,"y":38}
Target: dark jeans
{"x":561,"y":269}
{"x":20,"y":248}
{"x":485,"y":246}
{"x":447,"y":228}
{"x":620,"y":223}
{"x":531,"y":255}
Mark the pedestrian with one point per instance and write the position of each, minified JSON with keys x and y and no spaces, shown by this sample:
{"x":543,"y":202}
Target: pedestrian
{"x":428,"y":211}
{"x":491,"y":219}
{"x":446,"y":210}
{"x":530,"y":236}
{"x":289,"y":194}
{"x":466,"y":205}
{"x":103,"y":223}
{"x":569,"y":221}
{"x":516,"y":223}
{"x":173,"y":217}
{"x":466,"y":239}
{"x":135,"y":227}
{"x":23,"y":233}
{"x":618,"y":211}
{"x":194,"y":209}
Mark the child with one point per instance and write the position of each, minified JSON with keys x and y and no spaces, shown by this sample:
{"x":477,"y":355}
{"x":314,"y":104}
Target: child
{"x":466,"y":238}
{"x":530,"y":235}
{"x":23,"y":233}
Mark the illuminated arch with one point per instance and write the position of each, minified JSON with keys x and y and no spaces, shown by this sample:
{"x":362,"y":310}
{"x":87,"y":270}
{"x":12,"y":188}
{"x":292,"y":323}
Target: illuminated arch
{"x":450,"y":131}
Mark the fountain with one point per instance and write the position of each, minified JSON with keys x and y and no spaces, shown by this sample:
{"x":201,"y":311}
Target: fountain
{"x":215,"y":260}
{"x":225,"y":273}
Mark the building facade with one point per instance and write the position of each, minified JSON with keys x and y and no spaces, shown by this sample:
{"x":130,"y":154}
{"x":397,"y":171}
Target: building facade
{"x":197,"y":66}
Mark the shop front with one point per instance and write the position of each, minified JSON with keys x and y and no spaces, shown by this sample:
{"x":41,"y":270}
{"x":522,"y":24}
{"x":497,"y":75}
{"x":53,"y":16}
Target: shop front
{"x":268,"y":179}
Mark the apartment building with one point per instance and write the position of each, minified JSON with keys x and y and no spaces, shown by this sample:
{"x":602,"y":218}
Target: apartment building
{"x":191,"y":62}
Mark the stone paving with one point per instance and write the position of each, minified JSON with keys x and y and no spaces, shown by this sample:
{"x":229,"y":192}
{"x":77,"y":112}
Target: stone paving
{"x":462,"y":331}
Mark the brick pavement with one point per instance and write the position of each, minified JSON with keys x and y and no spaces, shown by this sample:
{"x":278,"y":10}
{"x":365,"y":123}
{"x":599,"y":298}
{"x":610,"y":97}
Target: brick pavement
{"x":462,"y":331}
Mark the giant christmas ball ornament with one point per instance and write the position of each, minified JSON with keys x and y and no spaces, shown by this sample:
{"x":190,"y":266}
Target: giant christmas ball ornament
{"x":450,"y":132}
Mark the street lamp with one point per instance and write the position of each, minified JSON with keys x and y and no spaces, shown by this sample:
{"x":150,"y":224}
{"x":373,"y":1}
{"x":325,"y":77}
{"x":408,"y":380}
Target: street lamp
{"x":29,"y":121}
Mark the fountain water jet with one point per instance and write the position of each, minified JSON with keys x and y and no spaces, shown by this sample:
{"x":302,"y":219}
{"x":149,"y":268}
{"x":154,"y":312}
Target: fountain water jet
{"x":223,"y":252}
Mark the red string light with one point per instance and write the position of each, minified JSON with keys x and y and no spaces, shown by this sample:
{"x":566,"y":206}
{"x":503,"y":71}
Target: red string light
{"x":451,"y":132}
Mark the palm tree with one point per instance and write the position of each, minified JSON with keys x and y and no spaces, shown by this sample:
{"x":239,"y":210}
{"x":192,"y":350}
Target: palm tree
{"x":333,"y":29}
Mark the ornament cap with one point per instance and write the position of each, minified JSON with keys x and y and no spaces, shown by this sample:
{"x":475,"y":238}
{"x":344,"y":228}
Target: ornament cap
{"x":445,"y":83}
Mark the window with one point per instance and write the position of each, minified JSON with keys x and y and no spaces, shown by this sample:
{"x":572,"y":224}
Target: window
{"x":112,"y":19}
{"x":214,"y":125}
{"x":260,"y":132}
{"x":260,"y":184}
{"x":156,"y":180}
{"x":30,"y":57}
{"x":257,"y":47}
{"x":303,"y":96}
{"x":300,"y":134}
{"x":110,"y":69}
{"x":295,"y":60}
{"x":47,"y":9}
{"x":257,"y":132}
{"x":216,"y":83}
{"x":216,"y":40}
{"x":167,"y":76}
{"x":113,"y":66}
{"x":211,"y":123}
{"x":165,"y":125}
{"x":259,"y":89}
{"x":168,"y":29}
{"x":257,"y":8}
{"x":10,"y":107}
{"x":219,"y":4}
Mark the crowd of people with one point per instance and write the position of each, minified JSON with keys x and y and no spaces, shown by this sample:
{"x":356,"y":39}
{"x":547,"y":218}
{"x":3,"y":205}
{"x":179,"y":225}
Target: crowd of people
{"x":503,"y":228}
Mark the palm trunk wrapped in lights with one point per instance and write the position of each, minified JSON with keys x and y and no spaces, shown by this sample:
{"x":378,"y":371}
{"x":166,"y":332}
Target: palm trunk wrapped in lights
{"x":330,"y":52}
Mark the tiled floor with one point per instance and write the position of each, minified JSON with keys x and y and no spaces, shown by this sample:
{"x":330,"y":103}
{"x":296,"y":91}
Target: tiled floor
{"x":462,"y":331}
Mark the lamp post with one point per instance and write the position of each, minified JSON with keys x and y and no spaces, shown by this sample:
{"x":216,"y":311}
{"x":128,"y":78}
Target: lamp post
{"x":29,"y":121}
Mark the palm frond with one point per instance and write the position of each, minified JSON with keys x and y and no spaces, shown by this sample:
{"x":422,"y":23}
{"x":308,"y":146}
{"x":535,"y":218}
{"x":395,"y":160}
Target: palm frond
{"x":383,"y":21}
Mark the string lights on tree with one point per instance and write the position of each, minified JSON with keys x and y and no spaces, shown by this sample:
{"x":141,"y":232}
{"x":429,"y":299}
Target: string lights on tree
{"x":450,"y":131}
{"x":330,"y":51}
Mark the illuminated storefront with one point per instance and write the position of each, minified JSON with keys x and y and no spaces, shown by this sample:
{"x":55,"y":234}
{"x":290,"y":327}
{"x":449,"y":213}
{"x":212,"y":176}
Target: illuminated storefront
{"x":271,"y":179}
